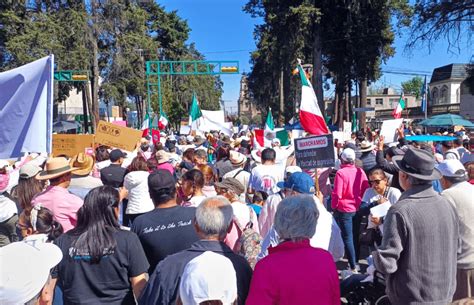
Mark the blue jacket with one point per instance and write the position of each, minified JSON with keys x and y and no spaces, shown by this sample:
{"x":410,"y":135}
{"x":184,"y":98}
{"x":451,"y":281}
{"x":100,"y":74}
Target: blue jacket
{"x":163,"y":285}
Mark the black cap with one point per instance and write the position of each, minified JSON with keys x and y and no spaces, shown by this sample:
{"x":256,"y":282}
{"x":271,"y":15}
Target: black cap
{"x":159,"y":180}
{"x":116,"y":154}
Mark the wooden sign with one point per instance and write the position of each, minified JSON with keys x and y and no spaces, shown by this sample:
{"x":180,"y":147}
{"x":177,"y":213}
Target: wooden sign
{"x":71,"y":144}
{"x":117,"y":136}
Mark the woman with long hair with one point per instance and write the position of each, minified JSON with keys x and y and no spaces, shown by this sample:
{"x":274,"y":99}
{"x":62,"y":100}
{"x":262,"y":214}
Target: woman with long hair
{"x":28,"y":186}
{"x":136,"y":185}
{"x":209,"y":179}
{"x":101,"y":264}
{"x":190,"y":189}
{"x":38,"y":224}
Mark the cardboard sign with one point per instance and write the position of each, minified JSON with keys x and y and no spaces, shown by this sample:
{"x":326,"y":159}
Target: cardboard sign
{"x":71,"y":144}
{"x":314,"y":152}
{"x":389,"y":130}
{"x":115,"y":111}
{"x":117,"y":136}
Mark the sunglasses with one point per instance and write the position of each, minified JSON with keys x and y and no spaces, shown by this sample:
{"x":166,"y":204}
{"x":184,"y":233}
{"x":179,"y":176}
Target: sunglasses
{"x":375,"y":181}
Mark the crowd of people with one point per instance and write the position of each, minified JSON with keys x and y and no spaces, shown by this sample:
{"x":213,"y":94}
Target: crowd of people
{"x":215,"y":219}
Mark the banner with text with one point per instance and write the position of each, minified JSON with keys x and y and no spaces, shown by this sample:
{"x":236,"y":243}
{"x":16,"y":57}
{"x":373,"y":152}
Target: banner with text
{"x":117,"y":136}
{"x":314,"y":152}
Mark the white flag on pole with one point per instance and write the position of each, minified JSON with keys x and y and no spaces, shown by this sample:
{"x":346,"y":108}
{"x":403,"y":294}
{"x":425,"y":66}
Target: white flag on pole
{"x":26,"y":108}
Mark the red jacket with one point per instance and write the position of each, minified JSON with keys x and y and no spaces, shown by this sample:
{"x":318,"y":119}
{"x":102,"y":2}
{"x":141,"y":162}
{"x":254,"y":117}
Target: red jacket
{"x":349,"y":187}
{"x":295,"y":273}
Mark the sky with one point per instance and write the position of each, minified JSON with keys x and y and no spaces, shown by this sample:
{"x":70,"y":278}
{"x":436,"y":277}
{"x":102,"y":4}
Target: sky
{"x":222,"y":31}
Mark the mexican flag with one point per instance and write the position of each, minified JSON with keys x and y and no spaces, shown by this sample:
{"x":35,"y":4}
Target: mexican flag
{"x":194,"y":113}
{"x":311,"y":117}
{"x":269,"y":125}
{"x":264,"y":137}
{"x":397,"y":112}
{"x":163,"y":121}
{"x":146,"y":122}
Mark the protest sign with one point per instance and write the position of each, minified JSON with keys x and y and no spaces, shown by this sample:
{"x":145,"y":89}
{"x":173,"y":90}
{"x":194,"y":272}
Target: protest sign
{"x":339,"y":136}
{"x":389,"y":130}
{"x":314,"y":152}
{"x":115,"y":111}
{"x":347,"y":130}
{"x":71,"y":144}
{"x":117,"y":136}
{"x":120,"y":123}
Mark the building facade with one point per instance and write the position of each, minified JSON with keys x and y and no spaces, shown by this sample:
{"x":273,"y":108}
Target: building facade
{"x":445,"y":84}
{"x":246,"y":106}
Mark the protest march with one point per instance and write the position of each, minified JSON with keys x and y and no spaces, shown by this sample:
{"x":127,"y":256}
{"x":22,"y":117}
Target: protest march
{"x":207,"y":210}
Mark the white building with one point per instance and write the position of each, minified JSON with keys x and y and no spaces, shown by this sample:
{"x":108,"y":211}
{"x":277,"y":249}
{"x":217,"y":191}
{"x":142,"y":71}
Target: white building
{"x":445,"y":84}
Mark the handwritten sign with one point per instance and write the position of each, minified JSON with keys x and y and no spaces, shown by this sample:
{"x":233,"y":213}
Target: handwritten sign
{"x":314,"y":152}
{"x":117,"y":136}
{"x":71,"y":144}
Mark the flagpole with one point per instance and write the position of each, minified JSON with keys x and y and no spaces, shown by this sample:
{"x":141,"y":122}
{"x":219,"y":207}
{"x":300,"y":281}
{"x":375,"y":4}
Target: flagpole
{"x":425,"y":96}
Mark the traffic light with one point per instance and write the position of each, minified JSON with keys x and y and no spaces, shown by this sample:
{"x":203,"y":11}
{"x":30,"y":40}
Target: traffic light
{"x":80,"y":77}
{"x":229,"y":69}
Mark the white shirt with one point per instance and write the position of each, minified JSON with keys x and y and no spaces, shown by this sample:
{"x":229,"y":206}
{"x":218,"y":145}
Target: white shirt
{"x":371,"y":196}
{"x":244,"y":214}
{"x":195,"y":201}
{"x":265,"y":177}
{"x":267,"y":214}
{"x":327,"y":235}
{"x":139,"y":200}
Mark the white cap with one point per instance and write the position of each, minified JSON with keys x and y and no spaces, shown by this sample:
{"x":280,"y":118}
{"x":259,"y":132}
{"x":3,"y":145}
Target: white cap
{"x":210,"y":276}
{"x":348,"y":155}
{"x":190,"y":138}
{"x":452,"y":168}
{"x":292,"y":169}
{"x":25,"y":270}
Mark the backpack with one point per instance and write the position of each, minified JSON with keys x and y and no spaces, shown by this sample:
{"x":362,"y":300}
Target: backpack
{"x":249,"y":243}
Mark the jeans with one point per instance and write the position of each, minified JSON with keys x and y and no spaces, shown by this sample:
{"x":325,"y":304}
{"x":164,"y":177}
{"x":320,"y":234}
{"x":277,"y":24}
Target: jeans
{"x":345,"y":223}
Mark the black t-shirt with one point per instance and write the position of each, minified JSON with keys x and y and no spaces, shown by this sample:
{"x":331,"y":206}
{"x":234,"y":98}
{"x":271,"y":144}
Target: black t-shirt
{"x":165,"y":231}
{"x":106,"y":282}
{"x":113,"y":175}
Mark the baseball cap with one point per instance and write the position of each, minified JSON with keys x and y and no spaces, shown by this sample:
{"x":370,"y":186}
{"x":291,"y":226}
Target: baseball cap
{"x":209,"y":276}
{"x":231,"y":184}
{"x":452,"y":168}
{"x":298,"y":182}
{"x":116,"y":154}
{"x":25,"y":270}
{"x":160,"y":179}
{"x":29,"y":170}
{"x":348,"y":155}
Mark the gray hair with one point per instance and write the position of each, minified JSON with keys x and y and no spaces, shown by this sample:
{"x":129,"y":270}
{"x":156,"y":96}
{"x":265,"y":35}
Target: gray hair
{"x":296,"y":217}
{"x":214,"y":215}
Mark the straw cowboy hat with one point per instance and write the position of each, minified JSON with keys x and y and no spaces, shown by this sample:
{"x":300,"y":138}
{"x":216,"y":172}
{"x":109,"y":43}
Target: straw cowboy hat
{"x":162,"y":157}
{"x":55,"y":167}
{"x":366,"y":146}
{"x":236,"y":158}
{"x":84,"y":164}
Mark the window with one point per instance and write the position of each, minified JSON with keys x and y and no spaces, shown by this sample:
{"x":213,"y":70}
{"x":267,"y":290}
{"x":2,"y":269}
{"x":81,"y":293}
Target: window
{"x":393,"y":102}
{"x":434,"y":96}
{"x":379,"y":101}
{"x":369,"y":101}
{"x":444,"y":95}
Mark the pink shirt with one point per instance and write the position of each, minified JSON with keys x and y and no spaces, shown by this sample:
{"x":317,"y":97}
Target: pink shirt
{"x":349,"y":187}
{"x":167,"y":167}
{"x":63,"y":204}
{"x":295,"y":273}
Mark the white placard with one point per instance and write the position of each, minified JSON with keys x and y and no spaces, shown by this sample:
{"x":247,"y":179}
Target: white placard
{"x":347,"y":130}
{"x":389,"y":130}
{"x":380,"y":210}
{"x":183,"y":130}
{"x":339,"y":135}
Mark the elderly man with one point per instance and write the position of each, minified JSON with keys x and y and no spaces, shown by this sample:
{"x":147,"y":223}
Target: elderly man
{"x":459,"y":192}
{"x":213,"y":218}
{"x":420,"y":237}
{"x":327,"y":235}
{"x":56,"y":197}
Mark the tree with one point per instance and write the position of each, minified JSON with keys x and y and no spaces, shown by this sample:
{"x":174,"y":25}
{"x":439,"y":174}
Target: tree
{"x":413,"y":86}
{"x":435,"y":20}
